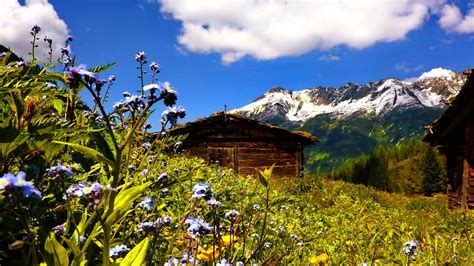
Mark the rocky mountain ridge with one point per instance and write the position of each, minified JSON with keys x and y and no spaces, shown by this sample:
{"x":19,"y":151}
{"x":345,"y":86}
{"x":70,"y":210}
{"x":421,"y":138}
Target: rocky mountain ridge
{"x":353,"y":119}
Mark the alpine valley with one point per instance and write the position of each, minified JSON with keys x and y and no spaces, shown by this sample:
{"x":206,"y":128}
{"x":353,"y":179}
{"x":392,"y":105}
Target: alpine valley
{"x":355,"y":118}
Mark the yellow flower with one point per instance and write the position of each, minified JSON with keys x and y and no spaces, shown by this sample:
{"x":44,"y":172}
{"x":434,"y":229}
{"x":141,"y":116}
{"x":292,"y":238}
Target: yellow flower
{"x":349,"y":243}
{"x":226,"y":240}
{"x":322,"y":258}
{"x":205,"y":254}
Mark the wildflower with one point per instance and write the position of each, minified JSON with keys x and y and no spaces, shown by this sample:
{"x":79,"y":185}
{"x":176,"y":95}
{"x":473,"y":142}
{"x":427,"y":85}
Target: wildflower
{"x":168,"y":94}
{"x":172,"y":262}
{"x":50,"y":85}
{"x":6,"y":180}
{"x":256,"y":207}
{"x":152,"y":87}
{"x":151,"y":159}
{"x":223,"y":262}
{"x":48,"y":40}
{"x":202,"y":191}
{"x":67,"y":61}
{"x":187,"y":258}
{"x":207,"y":254}
{"x":132,"y":167}
{"x":164,"y":221}
{"x":300,"y":244}
{"x":35,"y":30}
{"x":3,"y":54}
{"x":126,"y":94}
{"x":94,"y":193}
{"x":141,"y":57}
{"x":154,"y":66}
{"x":226,"y":239}
{"x":11,"y":183}
{"x":147,"y":203}
{"x":267,"y":244}
{"x":64,"y":51}
{"x":69,"y":38}
{"x":75,"y":74}
{"x":213,"y":203}
{"x":322,"y":258}
{"x":21,"y":63}
{"x":147,"y":227}
{"x":146,"y":145}
{"x":80,"y":239}
{"x":59,"y":170}
{"x":197,"y":226}
{"x":232,"y":214}
{"x":118,"y":250}
{"x":111,"y":78}
{"x":59,"y":230}
{"x":294,"y":236}
{"x":165,"y":191}
{"x":281,"y":228}
{"x":146,"y":126}
{"x":76,"y":190}
{"x":162,"y":177}
{"x":410,"y":248}
{"x":173,"y":113}
{"x":254,"y":235}
{"x":144,"y":172}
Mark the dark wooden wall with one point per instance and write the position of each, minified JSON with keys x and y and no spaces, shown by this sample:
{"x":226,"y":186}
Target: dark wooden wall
{"x":245,"y":148}
{"x":461,"y":171}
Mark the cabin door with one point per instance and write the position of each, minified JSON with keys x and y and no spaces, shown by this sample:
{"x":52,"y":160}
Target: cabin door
{"x":223,"y":156}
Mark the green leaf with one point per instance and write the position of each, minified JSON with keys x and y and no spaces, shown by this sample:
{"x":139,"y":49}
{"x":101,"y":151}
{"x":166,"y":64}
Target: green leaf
{"x":58,"y":105}
{"x":88,"y":152}
{"x":123,"y":201}
{"x":57,"y":254}
{"x":99,"y":69}
{"x":137,"y":255}
{"x":262,"y":179}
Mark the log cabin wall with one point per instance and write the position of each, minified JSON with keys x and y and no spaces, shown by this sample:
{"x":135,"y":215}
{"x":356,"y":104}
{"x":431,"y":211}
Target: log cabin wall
{"x":247,"y":146}
{"x":468,"y":173}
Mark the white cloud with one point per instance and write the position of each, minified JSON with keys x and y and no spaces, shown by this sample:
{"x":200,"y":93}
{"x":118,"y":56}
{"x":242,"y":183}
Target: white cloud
{"x":16,"y":21}
{"x":436,"y":72}
{"x":453,"y":20}
{"x":329,"y":57}
{"x":268,"y":29}
{"x":406,"y":68}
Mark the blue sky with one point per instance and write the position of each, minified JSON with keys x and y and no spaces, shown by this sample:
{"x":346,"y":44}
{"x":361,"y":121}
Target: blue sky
{"x":210,"y":65}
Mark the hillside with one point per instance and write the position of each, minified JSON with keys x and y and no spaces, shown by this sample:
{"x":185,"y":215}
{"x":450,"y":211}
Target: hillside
{"x":354,"y":118}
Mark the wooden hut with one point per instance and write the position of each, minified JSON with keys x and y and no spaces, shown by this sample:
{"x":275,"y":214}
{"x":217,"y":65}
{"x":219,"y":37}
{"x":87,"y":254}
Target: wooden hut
{"x":245,"y":144}
{"x":453,"y":133}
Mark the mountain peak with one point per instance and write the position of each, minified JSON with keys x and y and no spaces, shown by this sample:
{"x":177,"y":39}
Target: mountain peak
{"x":373,"y":99}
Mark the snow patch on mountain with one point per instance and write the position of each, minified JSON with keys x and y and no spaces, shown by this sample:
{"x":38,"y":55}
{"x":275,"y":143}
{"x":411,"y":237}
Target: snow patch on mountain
{"x":436,"y":73}
{"x":373,"y":98}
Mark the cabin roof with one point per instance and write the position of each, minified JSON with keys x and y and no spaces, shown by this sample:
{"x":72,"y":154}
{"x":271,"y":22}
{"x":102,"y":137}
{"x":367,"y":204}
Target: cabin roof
{"x":460,"y":109}
{"x":221,"y":117}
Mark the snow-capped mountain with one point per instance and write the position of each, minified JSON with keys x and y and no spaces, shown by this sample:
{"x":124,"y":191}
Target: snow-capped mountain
{"x":354,"y":119}
{"x":378,"y":98}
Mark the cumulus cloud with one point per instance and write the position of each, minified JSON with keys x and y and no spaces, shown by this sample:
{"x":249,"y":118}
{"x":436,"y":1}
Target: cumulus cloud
{"x":436,"y":72}
{"x":268,"y":29}
{"x":16,"y":20}
{"x":329,"y":57}
{"x":453,"y":20}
